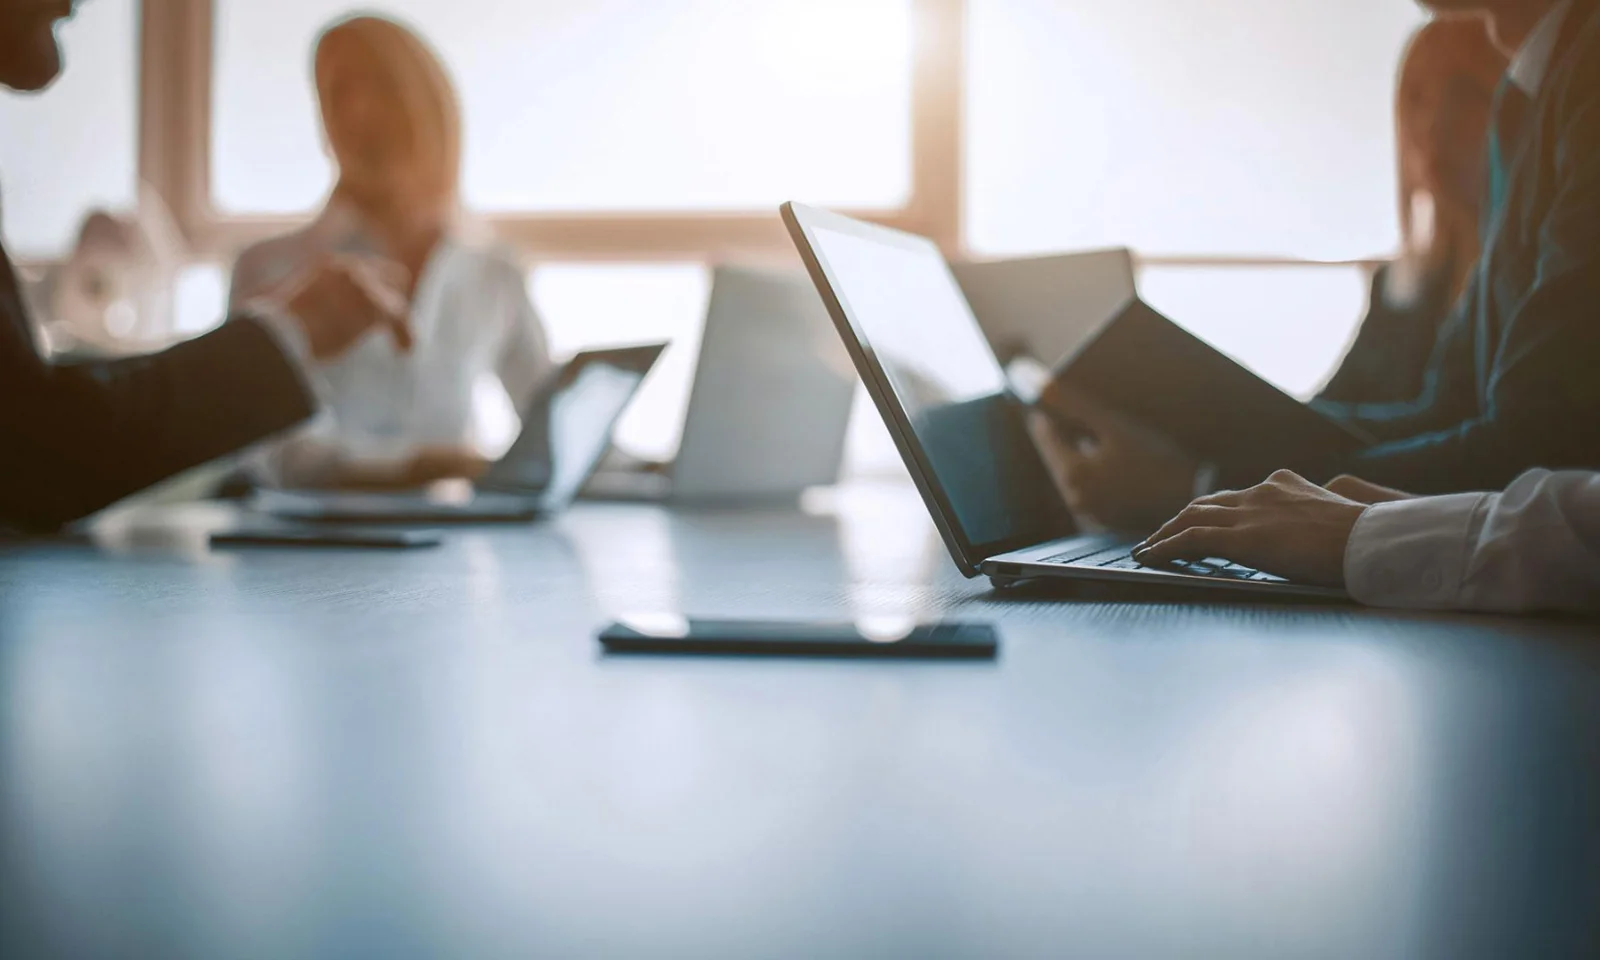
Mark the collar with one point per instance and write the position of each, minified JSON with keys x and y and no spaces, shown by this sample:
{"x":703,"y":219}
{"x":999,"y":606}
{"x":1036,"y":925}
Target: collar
{"x":1532,"y":62}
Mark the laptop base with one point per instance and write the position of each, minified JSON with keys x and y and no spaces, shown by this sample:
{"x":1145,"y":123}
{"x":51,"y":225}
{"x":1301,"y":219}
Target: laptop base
{"x":1108,"y":560}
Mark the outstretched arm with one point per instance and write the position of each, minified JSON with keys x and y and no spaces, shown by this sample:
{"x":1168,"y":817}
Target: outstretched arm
{"x":79,"y":438}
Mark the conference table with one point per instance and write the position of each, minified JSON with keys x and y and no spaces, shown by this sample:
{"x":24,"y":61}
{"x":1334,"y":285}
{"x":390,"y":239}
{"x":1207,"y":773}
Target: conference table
{"x":340,"y":753}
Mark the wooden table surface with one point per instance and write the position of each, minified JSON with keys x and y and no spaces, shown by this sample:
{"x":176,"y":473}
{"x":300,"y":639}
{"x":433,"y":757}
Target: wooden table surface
{"x":293,"y":753}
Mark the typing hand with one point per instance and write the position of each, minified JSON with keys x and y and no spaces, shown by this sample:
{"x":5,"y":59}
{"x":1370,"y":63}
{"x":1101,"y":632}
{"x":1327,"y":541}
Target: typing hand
{"x":1107,"y":467}
{"x":1287,"y":526}
{"x":337,"y":299}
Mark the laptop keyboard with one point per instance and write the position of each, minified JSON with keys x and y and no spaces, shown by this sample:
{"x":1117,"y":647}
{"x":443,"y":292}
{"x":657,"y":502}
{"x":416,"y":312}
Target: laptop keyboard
{"x":1118,"y":558}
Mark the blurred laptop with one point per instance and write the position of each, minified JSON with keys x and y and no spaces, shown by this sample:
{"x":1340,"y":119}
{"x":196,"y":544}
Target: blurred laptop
{"x":565,"y":431}
{"x":957,"y":423}
{"x":770,"y":404}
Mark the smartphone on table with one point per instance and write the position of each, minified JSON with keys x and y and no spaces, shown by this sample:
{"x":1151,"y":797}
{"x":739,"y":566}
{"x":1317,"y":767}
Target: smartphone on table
{"x":348,"y":537}
{"x":870,"y":637}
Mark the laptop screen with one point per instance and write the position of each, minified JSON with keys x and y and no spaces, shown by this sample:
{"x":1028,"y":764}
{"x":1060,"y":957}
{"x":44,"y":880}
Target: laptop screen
{"x":941,"y":380}
{"x":568,"y":428}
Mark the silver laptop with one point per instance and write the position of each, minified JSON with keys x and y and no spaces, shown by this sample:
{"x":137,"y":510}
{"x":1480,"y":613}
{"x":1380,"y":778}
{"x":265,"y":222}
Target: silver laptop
{"x":958,"y":426}
{"x":770,"y":404}
{"x":566,"y":429}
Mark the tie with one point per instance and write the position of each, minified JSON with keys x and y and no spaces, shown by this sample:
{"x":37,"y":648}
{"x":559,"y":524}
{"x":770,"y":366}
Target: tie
{"x":1508,"y":123}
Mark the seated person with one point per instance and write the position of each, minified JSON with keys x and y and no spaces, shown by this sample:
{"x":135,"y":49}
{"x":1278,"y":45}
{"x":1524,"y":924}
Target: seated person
{"x":1533,"y":547}
{"x":1511,"y":384}
{"x":80,"y":437}
{"x":1447,"y":83}
{"x":112,"y":295}
{"x":393,"y":128}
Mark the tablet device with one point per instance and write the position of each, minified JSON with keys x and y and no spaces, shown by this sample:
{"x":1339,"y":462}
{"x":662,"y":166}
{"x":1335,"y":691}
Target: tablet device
{"x":874,"y":637}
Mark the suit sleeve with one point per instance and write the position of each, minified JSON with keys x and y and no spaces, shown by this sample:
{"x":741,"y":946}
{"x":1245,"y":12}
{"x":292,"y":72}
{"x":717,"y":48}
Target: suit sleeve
{"x":1543,"y":398}
{"x":81,"y":437}
{"x":1354,"y":379}
{"x":1392,"y":354}
{"x":1447,"y":394}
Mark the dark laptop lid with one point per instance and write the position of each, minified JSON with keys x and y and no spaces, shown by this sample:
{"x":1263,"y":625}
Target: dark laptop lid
{"x":935,"y":380}
{"x":568,"y":426}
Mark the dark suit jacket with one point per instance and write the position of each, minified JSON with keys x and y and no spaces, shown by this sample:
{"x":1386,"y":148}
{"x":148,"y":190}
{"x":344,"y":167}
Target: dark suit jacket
{"x":1514,"y":381}
{"x":77,"y":438}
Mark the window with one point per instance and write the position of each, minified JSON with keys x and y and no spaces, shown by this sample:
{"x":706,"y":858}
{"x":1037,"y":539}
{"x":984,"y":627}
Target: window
{"x":648,"y":137}
{"x":200,"y":299}
{"x":1260,"y":127}
{"x":1290,"y":324}
{"x":79,"y":147}
{"x":600,"y":105}
{"x":1231,"y":131}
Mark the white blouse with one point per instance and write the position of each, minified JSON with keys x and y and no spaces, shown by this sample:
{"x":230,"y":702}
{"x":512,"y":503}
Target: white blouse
{"x":470,"y":316}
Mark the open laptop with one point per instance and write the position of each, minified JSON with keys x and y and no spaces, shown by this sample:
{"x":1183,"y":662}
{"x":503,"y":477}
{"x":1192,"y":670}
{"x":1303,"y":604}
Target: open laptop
{"x":770,"y":404}
{"x":958,"y":426}
{"x":772,"y":393}
{"x":565,"y":431}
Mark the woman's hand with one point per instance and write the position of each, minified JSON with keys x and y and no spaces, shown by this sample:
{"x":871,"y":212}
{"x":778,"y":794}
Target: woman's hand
{"x":1287,"y":526}
{"x":1112,"y":470}
{"x":337,"y":300}
{"x":427,"y":466}
{"x":432,"y":464}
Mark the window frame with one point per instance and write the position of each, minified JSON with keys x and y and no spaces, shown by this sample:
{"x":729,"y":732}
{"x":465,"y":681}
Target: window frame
{"x":176,"y":50}
{"x":175,"y":100}
{"x":174,"y":103}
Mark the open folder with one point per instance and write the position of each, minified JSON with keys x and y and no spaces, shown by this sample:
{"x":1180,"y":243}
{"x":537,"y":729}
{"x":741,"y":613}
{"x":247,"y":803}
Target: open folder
{"x":1080,"y":314}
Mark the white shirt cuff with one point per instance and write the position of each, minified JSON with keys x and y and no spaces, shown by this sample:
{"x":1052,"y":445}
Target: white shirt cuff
{"x":1413,"y":553}
{"x":1205,"y":480}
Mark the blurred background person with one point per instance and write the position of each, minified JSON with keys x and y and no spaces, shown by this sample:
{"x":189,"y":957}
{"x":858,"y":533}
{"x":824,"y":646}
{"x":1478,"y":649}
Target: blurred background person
{"x":1447,"y":82}
{"x":391,"y":122}
{"x":113,"y":294}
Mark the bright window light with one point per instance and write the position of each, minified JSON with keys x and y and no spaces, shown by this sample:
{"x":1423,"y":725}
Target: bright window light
{"x":583,"y":105}
{"x":73,"y":147}
{"x":1176,"y":126}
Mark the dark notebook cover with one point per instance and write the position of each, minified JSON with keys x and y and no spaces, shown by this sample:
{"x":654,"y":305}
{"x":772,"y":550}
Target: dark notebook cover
{"x":1153,"y":370}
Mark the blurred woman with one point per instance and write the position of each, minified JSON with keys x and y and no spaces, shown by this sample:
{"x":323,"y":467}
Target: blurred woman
{"x":1447,"y":83}
{"x":391,"y":122}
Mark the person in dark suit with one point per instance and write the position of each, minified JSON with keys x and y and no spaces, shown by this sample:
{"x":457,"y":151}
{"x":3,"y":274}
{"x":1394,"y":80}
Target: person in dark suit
{"x":1446,"y":88}
{"x":78,"y":438}
{"x":1514,"y":378}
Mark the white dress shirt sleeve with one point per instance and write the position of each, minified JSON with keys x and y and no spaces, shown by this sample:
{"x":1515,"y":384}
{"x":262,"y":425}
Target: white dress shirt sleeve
{"x":524,"y":361}
{"x":310,"y":452}
{"x":1534,"y":547}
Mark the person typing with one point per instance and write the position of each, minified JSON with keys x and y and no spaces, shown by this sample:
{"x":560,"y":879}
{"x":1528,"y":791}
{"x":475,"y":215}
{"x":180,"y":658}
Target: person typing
{"x":1510,"y":385}
{"x":1534,"y":546}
